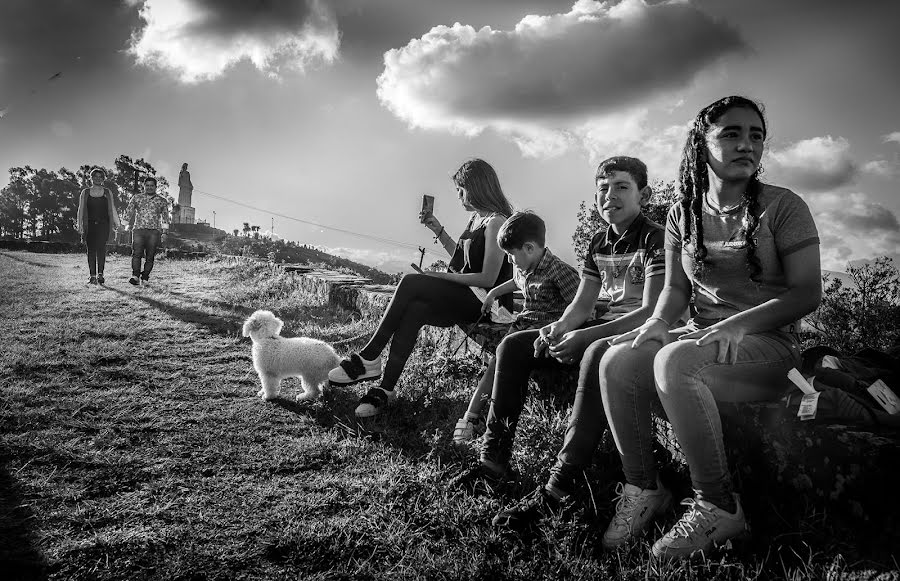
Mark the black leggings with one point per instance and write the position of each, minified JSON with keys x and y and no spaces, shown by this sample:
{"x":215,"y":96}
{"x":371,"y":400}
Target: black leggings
{"x":95,"y":239}
{"x":418,"y":301}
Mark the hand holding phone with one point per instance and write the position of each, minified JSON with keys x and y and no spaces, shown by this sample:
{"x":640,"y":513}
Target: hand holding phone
{"x":427,"y":208}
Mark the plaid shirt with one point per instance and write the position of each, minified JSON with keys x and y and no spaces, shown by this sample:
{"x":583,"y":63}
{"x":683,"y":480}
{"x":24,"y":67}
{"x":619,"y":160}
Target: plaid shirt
{"x":147,"y":211}
{"x":548,"y":288}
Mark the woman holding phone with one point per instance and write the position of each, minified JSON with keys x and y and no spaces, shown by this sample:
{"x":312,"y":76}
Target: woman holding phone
{"x":439,"y":299}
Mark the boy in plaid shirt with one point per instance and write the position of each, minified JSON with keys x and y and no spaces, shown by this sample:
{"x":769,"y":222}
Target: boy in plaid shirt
{"x":549,"y":285}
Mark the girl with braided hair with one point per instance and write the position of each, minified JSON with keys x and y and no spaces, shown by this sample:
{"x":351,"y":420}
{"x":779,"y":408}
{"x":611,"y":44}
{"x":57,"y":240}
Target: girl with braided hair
{"x":748,"y":253}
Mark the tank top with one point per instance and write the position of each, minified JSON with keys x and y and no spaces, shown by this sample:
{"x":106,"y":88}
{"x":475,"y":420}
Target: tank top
{"x":97,"y":208}
{"x":469,"y":256}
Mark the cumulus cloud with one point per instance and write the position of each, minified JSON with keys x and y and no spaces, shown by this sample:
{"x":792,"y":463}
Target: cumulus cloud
{"x":895,"y":137}
{"x":852,"y":227}
{"x":551,"y":80}
{"x":880,"y":167}
{"x":200,"y":39}
{"x":817,"y":164}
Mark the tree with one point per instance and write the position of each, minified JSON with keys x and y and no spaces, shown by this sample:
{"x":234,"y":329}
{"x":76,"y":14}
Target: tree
{"x":865,"y":313}
{"x":590,"y":221}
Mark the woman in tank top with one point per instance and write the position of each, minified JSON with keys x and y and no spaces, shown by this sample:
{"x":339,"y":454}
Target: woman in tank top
{"x":97,"y":222}
{"x":440,"y":299}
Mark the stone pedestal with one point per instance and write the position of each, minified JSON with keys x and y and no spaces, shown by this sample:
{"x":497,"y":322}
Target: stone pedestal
{"x":183,"y":215}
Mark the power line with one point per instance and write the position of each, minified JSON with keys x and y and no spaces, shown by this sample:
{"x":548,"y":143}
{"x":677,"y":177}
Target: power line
{"x":325,"y":226}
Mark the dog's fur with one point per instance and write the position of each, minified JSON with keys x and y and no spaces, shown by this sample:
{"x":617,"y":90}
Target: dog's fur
{"x":276,"y":357}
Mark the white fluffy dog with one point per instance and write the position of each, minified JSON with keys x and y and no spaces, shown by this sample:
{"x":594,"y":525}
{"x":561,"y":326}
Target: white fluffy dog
{"x":276,"y":357}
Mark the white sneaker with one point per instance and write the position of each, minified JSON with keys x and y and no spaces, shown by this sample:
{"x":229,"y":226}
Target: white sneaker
{"x":374,"y":402}
{"x":466,"y":430}
{"x":701,"y":528}
{"x":354,"y":369}
{"x":635,"y":509}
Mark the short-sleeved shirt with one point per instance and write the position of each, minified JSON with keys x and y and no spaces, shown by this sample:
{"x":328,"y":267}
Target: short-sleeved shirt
{"x":623,"y":264}
{"x":785,"y":226}
{"x":549,"y":287}
{"x":148,"y":211}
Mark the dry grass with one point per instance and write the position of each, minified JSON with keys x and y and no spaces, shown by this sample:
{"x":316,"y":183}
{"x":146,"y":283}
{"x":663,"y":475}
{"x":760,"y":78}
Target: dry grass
{"x":132,"y":447}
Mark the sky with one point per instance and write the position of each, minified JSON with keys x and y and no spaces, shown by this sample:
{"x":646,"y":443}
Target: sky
{"x":343,"y":113}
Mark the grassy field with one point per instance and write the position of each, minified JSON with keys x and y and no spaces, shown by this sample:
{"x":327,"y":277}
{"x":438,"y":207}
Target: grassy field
{"x":132,"y":446}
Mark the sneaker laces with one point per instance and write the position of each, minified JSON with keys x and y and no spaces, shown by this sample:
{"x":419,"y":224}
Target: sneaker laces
{"x":693,"y":521}
{"x":625,"y":505}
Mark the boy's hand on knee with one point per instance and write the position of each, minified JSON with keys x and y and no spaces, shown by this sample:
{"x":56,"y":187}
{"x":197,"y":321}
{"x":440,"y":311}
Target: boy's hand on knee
{"x":652,"y":330}
{"x":569,"y":348}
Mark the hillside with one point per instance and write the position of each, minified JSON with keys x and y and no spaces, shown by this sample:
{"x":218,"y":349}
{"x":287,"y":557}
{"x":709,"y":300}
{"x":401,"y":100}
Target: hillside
{"x":291,"y":252}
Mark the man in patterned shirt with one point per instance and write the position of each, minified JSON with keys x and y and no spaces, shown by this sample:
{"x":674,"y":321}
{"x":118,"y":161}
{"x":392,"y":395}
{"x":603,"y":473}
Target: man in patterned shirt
{"x":148,"y":215}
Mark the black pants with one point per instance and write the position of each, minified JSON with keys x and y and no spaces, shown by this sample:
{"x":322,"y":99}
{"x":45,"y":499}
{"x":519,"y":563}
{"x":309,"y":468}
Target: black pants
{"x":418,"y":301}
{"x":144,"y":242}
{"x":95,"y":239}
{"x":515,"y":362}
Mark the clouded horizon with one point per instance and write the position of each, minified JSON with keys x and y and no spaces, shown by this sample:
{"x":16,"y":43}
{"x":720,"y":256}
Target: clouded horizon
{"x":344,"y":112}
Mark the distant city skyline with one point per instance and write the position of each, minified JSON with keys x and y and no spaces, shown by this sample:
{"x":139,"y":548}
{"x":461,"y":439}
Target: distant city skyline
{"x":344,"y":113}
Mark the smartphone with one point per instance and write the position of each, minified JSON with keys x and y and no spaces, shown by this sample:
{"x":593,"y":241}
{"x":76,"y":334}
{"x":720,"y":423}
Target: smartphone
{"x":415,"y":267}
{"x":427,"y":207}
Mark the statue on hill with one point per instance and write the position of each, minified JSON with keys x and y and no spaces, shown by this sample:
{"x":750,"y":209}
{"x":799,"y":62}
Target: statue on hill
{"x":185,"y":187}
{"x":183,"y":212}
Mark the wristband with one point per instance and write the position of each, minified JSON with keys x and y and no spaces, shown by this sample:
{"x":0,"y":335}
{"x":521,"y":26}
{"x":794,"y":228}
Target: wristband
{"x":438,"y":235}
{"x":668,"y":324}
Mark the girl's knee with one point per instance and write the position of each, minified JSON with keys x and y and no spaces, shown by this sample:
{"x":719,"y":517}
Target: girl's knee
{"x":676,"y":366}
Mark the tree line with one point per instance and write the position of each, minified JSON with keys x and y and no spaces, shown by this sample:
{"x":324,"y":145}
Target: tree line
{"x":42,"y":204}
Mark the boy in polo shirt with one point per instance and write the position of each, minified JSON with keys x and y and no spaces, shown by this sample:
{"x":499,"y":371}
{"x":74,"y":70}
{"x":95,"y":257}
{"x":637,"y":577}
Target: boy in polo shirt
{"x":626,"y":262}
{"x":548,"y":284}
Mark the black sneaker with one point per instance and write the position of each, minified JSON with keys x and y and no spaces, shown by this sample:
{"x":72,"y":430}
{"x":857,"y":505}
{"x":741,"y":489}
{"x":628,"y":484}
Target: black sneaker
{"x":530,"y":509}
{"x":93,"y":280}
{"x":100,"y":279}
{"x":480,"y":475}
{"x":134,"y":280}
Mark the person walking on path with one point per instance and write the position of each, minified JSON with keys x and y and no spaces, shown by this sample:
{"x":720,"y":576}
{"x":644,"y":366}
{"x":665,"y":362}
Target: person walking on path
{"x":97,"y":222}
{"x":148,"y":216}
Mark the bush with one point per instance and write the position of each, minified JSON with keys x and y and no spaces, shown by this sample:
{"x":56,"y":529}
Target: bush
{"x":865,"y":313}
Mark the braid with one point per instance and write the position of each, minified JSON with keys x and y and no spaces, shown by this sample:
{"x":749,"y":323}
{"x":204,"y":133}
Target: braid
{"x":750,"y":225}
{"x":693,"y":183}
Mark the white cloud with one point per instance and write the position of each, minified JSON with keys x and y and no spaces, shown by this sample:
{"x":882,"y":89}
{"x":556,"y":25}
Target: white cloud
{"x":895,"y":136}
{"x":550,"y":82}
{"x":817,"y":164}
{"x":881,"y":168}
{"x":200,"y":39}
{"x":389,"y":261}
{"x":852,"y":227}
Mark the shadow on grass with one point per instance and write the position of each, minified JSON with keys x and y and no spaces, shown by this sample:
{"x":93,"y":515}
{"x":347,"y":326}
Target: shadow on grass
{"x":25,"y":261}
{"x":219,"y":325}
{"x":19,"y":556}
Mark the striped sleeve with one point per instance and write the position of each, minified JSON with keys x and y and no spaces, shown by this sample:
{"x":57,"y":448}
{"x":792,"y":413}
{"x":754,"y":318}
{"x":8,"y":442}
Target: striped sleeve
{"x":654,"y":253}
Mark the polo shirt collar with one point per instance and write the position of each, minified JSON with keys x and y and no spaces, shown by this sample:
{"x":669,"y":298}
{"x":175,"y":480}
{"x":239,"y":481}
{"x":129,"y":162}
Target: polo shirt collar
{"x":629,"y":231}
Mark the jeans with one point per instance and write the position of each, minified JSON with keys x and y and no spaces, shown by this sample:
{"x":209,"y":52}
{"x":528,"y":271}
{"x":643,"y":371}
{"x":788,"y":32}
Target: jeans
{"x":95,"y":240}
{"x":514,"y":363}
{"x":688,"y":382}
{"x":144,"y":241}
{"x":418,"y":301}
